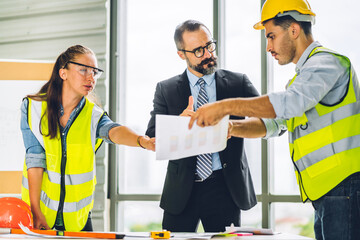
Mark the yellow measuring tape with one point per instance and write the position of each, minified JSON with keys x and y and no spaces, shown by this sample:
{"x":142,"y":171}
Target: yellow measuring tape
{"x":160,"y":235}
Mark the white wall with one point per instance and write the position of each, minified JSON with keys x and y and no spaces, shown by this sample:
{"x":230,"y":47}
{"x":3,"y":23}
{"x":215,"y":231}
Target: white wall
{"x":41,"y":30}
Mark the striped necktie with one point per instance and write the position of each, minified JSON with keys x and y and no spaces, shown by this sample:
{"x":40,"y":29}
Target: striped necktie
{"x":204,"y":161}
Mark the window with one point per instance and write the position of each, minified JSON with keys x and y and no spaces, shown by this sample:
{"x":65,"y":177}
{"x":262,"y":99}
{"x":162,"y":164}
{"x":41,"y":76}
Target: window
{"x":296,"y":218}
{"x":242,"y":54}
{"x":151,"y":57}
{"x":141,"y":216}
{"x":283,"y":166}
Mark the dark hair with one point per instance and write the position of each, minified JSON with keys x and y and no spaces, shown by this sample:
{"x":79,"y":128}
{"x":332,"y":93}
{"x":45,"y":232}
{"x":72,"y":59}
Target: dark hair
{"x":188,"y":25}
{"x":286,"y":21}
{"x":51,"y":92}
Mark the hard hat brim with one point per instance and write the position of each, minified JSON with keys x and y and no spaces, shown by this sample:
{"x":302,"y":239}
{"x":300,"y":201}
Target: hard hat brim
{"x":259,"y":26}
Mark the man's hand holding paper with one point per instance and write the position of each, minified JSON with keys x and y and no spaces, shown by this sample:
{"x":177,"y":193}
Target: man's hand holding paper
{"x":189,"y":110}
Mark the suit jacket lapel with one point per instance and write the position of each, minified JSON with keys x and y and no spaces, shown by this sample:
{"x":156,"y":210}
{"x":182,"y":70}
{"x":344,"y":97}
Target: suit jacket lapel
{"x":221,"y":85}
{"x":183,"y":89}
{"x":221,"y":93}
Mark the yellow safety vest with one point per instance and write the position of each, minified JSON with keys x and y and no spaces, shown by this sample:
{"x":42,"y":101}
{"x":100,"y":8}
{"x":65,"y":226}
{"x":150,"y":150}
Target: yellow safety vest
{"x":78,"y":172}
{"x":325,"y":140}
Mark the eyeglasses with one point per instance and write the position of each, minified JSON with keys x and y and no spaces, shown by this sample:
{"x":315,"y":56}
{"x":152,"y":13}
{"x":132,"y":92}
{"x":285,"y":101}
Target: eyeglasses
{"x":88,"y":70}
{"x":200,"y":51}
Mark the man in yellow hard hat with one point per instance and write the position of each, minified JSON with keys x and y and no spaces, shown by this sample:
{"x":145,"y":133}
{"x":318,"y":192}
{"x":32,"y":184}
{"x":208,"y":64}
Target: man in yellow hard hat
{"x":320,"y":109}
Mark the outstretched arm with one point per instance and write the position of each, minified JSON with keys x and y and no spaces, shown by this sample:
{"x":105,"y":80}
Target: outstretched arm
{"x":248,"y":128}
{"x":125,"y":136}
{"x":211,"y":114}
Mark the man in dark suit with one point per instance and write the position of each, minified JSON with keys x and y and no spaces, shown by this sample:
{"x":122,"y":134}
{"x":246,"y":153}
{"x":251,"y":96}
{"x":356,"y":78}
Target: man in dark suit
{"x":188,"y":196}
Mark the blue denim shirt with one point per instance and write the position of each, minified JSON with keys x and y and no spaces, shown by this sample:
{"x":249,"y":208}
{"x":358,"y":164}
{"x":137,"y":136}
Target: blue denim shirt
{"x":35,"y":153}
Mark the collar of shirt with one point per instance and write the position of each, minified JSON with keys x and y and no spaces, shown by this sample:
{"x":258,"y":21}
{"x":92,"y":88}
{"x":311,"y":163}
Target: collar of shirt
{"x":72,"y":115}
{"x":209,"y":79}
{"x":79,"y":106}
{"x":305,"y":55}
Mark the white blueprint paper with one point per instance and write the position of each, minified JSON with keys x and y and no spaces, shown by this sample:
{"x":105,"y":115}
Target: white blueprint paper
{"x":174,"y":140}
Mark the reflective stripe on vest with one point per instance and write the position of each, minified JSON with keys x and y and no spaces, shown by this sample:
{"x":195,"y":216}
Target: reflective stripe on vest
{"x":73,"y":179}
{"x":79,"y":171}
{"x":325,"y":141}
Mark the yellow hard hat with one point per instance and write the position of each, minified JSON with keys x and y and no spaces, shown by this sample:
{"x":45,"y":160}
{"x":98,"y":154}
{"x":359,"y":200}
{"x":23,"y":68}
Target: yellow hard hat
{"x":272,"y":8}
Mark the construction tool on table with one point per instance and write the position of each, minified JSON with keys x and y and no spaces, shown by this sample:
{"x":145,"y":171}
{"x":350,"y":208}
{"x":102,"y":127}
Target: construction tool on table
{"x":160,"y":235}
{"x":103,"y":235}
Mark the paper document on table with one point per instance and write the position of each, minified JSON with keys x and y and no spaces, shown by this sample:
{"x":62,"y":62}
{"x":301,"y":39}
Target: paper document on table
{"x":255,"y":231}
{"x":30,"y":233}
{"x":175,"y":140}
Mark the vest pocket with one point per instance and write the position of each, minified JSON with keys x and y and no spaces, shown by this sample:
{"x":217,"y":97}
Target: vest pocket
{"x":324,"y":165}
{"x":317,"y":153}
{"x":80,"y":158}
{"x":52,"y":162}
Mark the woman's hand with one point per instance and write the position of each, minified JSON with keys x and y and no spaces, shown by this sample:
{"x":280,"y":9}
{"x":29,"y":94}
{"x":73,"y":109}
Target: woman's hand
{"x":40,"y":221}
{"x":147,"y":143}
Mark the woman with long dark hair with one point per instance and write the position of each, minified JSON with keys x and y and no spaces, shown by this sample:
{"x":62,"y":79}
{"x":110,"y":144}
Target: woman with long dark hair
{"x":62,"y":129}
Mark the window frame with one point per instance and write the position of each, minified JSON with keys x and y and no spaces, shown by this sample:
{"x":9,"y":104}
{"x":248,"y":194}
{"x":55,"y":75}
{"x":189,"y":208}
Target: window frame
{"x":117,"y":68}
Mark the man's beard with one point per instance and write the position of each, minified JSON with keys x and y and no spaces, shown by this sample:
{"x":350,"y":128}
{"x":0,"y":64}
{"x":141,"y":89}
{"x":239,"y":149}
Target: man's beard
{"x":211,"y":67}
{"x":287,"y":51}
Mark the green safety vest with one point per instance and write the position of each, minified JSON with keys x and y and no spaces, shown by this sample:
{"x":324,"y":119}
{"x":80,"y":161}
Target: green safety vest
{"x":79,"y":170}
{"x":325,"y":140}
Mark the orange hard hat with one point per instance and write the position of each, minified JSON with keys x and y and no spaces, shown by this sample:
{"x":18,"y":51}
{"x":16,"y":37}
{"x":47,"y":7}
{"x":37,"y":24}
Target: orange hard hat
{"x":13,"y":211}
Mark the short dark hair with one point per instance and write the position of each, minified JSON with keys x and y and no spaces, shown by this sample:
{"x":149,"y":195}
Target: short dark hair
{"x":188,"y":25}
{"x":286,"y":21}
